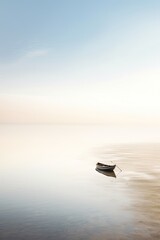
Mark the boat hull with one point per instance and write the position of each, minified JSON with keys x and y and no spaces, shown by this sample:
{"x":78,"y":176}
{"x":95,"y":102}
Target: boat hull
{"x":104,"y":167}
{"x":107,"y":173}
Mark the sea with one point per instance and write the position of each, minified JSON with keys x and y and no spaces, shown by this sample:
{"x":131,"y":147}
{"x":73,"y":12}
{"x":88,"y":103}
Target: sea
{"x":50,"y":187}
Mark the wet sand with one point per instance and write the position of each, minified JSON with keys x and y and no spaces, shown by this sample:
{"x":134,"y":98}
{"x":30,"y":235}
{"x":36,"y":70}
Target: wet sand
{"x":141,"y":172}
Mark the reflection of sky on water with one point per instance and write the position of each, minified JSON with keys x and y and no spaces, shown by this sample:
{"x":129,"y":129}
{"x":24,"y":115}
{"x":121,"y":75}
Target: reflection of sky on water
{"x":49,"y":186}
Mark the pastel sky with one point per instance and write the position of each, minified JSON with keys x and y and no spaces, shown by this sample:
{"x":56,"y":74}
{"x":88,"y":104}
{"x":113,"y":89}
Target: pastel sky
{"x":84,"y":61}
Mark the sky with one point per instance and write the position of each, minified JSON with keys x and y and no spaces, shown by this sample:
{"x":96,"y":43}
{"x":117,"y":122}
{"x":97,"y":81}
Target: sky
{"x":80,"y":61}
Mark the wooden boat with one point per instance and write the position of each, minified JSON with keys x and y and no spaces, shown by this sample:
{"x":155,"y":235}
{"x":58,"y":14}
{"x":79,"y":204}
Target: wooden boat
{"x":104,"y":167}
{"x":107,"y":173}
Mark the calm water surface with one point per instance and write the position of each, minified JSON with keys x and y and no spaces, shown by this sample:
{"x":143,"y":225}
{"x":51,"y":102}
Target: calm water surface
{"x":49,"y":188}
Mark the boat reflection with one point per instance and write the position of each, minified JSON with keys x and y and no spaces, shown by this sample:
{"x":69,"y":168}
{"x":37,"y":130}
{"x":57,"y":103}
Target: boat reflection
{"x":107,"y":173}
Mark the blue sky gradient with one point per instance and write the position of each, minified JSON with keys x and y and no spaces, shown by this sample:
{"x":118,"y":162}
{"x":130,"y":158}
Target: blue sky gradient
{"x":97,"y":54}
{"x":63,"y":25}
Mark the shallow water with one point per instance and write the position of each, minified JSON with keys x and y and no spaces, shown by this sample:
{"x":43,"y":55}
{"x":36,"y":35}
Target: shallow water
{"x":50,"y":189}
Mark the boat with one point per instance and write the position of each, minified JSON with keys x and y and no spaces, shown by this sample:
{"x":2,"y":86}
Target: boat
{"x":107,"y":173}
{"x":105,"y":167}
